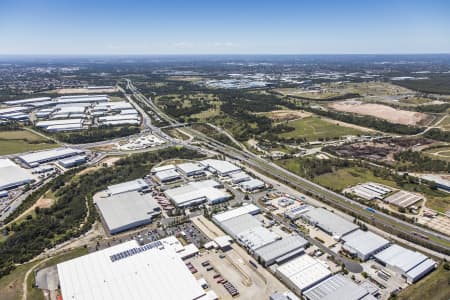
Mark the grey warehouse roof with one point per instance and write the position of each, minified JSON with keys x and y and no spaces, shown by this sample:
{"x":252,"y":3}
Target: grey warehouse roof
{"x":12,"y":175}
{"x":127,"y":208}
{"x":330,"y":222}
{"x":281,"y":247}
{"x":336,"y":287}
{"x":364,"y":242}
{"x":238,"y":224}
{"x":402,"y":258}
{"x":133,"y":185}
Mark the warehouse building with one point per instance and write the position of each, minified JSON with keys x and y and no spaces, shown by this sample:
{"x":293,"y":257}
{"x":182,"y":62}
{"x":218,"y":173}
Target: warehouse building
{"x":296,"y":212}
{"x":220,"y":167}
{"x":403,"y":199}
{"x":27,"y":101}
{"x":47,"y":124}
{"x":370,"y":191}
{"x":66,"y":127}
{"x":250,"y":209}
{"x":256,"y":237}
{"x":162,"y":168}
{"x":239,"y":177}
{"x":34,"y":159}
{"x":129,"y":271}
{"x":252,"y":185}
{"x":439,"y":180}
{"x":236,"y":225}
{"x":329,"y":222}
{"x":72,"y":161}
{"x":364,"y":244}
{"x":191,"y":169}
{"x":128,"y":186}
{"x":167,"y":175}
{"x":281,"y":250}
{"x":410,"y":264}
{"x":195,"y":193}
{"x":337,"y":287}
{"x":127,"y":210}
{"x":12,"y":175}
{"x":302,"y":273}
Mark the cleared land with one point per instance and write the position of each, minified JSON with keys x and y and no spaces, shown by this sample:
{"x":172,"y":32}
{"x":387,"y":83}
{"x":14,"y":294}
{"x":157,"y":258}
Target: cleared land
{"x":314,"y":128}
{"x":286,"y":115}
{"x":439,"y":153}
{"x":16,"y":141}
{"x":381,"y":111}
{"x":434,"y":286}
{"x":317,"y":95}
{"x":85,"y":91}
{"x":445,"y":124}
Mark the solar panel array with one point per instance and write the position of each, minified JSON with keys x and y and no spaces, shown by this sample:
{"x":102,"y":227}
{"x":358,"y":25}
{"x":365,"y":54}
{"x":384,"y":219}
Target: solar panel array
{"x":134,"y":251}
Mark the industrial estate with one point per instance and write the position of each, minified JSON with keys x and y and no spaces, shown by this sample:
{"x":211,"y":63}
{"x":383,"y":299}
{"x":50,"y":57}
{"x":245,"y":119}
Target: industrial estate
{"x":225,"y":181}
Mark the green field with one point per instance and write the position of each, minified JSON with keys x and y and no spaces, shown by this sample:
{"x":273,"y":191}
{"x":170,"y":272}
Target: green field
{"x":435,"y":286}
{"x":17,"y":141}
{"x":314,"y":128}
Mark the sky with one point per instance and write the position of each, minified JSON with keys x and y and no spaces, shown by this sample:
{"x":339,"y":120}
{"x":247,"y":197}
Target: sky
{"x":130,"y":27}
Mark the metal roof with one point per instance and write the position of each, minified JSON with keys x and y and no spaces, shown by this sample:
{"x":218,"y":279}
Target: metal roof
{"x":190,"y":167}
{"x":232,"y":213}
{"x":124,"y":209}
{"x":198,"y":191}
{"x":128,"y":186}
{"x":257,"y":237}
{"x":49,"y":155}
{"x":145,"y":272}
{"x":167,"y":175}
{"x":252,"y":184}
{"x":281,"y":247}
{"x":401,"y":258}
{"x":330,"y":222}
{"x":12,"y":175}
{"x":221,"y":166}
{"x":304,"y":271}
{"x":336,"y":287}
{"x":365,"y":242}
{"x":420,"y":269}
{"x":238,"y":224}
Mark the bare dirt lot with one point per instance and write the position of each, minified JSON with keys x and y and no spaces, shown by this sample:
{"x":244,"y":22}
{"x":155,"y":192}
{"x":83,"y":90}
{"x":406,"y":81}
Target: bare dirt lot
{"x":380,"y":111}
{"x":85,"y":91}
{"x":287,"y":115}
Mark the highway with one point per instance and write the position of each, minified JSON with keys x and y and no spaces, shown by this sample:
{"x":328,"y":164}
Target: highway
{"x":381,"y":220}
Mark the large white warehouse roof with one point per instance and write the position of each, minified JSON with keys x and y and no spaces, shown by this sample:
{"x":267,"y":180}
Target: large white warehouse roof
{"x":129,"y":271}
{"x":329,"y":222}
{"x":220,"y":166}
{"x":128,"y":186}
{"x":127,"y":210}
{"x":197,"y":192}
{"x":364,"y":243}
{"x":11,"y":175}
{"x":232,"y":213}
{"x":336,"y":287}
{"x":303,"y":272}
{"x":49,"y":155}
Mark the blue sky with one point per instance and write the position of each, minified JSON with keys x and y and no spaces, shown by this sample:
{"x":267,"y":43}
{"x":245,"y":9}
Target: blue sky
{"x":223,"y":27}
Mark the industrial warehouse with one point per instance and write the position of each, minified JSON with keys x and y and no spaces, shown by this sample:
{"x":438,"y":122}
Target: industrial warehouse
{"x":197,"y":192}
{"x":129,"y":271}
{"x":72,"y":113}
{"x":34,"y":159}
{"x":12,"y":175}
{"x":329,"y":222}
{"x":410,"y":264}
{"x":364,"y":244}
{"x":127,"y":210}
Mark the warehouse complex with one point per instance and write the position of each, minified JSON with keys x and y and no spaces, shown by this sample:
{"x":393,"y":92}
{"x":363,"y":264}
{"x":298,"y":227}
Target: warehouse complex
{"x":410,"y":264}
{"x":12,"y":175}
{"x":403,"y":199}
{"x":370,"y":191}
{"x":129,"y":271}
{"x":329,"y":222}
{"x":70,"y":113}
{"x":129,"y":186}
{"x":220,"y":167}
{"x":364,"y":244}
{"x":34,"y":159}
{"x":127,"y":210}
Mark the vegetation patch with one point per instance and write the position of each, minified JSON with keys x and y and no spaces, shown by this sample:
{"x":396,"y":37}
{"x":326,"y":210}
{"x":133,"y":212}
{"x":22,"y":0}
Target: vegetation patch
{"x":16,"y":141}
